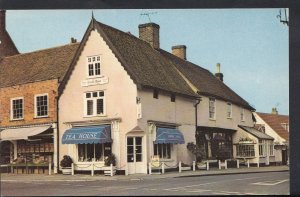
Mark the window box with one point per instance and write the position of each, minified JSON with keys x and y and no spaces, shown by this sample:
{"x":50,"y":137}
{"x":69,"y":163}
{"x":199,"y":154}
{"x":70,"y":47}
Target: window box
{"x":66,"y":170}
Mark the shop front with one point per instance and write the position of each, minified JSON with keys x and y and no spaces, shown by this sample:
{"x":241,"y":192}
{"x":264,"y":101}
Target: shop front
{"x":28,"y":149}
{"x":89,"y":146}
{"x":217,"y":142}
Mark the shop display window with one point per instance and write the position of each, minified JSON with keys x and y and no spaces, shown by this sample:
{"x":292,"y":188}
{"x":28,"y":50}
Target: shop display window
{"x":93,"y":152}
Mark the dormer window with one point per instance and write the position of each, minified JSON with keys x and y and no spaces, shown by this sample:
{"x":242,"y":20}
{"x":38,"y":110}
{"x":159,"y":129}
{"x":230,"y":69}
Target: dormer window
{"x":93,"y":66}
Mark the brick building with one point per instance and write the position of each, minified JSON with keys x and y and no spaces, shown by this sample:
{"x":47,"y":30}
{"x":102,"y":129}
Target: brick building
{"x":28,"y":100}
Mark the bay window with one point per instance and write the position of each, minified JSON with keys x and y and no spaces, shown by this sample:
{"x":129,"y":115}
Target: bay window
{"x":245,"y":150}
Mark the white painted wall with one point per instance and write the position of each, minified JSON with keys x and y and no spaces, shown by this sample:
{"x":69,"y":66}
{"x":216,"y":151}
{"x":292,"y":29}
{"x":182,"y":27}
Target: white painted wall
{"x":120,"y":95}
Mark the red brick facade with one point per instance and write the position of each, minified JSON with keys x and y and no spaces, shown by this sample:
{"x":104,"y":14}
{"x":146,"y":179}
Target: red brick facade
{"x":28,"y":92}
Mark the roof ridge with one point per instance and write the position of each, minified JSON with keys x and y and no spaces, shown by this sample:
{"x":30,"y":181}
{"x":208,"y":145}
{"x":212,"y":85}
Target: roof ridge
{"x":40,"y":50}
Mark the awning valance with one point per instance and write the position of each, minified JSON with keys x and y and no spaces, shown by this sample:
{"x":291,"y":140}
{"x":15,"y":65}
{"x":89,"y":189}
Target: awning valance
{"x":87,"y":135}
{"x":168,"y":136}
{"x":21,"y":133}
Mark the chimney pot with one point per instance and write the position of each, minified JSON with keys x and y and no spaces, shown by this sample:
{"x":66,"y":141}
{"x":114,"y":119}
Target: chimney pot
{"x":274,"y":111}
{"x":218,"y":74}
{"x":179,"y":51}
{"x":73,"y":40}
{"x":149,"y":32}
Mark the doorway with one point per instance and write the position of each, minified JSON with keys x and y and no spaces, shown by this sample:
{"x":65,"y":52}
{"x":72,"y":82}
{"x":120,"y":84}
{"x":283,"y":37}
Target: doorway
{"x":135,"y":155}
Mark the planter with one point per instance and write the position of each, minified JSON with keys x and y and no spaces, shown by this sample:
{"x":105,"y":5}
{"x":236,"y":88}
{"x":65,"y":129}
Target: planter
{"x":107,"y":170}
{"x":66,"y":170}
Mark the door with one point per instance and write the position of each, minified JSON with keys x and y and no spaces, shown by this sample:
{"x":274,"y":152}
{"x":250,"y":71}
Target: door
{"x":135,"y":155}
{"x":284,"y":157}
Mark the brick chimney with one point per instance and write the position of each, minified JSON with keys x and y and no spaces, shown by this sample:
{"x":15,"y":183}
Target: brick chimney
{"x":149,"y":32}
{"x":2,"y":20}
{"x":218,"y":74}
{"x":274,"y":111}
{"x":179,"y":51}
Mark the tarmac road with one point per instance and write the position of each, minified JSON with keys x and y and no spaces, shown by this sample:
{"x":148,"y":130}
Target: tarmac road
{"x":263,"y":183}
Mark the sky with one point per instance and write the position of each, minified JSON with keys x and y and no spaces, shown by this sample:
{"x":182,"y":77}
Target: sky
{"x":251,"y":45}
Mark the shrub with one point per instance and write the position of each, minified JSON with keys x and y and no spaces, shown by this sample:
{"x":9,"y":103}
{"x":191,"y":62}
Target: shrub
{"x":199,"y":152}
{"x":66,"y":161}
{"x":110,"y":159}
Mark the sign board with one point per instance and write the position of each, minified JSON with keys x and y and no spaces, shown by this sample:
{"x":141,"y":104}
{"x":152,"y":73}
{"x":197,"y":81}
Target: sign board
{"x":96,"y":81}
{"x":155,"y":161}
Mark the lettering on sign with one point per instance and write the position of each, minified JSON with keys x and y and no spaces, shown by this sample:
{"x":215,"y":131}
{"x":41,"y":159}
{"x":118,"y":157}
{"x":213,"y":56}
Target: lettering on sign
{"x":96,"y":81}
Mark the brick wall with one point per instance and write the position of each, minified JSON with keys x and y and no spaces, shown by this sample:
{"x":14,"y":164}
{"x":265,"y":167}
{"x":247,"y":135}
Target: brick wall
{"x":28,"y":91}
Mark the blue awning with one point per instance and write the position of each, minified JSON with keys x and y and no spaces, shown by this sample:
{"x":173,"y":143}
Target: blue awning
{"x":87,"y":135}
{"x":168,"y":136}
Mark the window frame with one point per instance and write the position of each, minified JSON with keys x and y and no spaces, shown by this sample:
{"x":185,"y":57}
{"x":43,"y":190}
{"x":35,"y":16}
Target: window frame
{"x":94,"y":150}
{"x":227,"y":112}
{"x":12,"y":111}
{"x":271,"y":148}
{"x":94,"y":99}
{"x":35,"y":105}
{"x":94,"y":66}
{"x":242,"y":114}
{"x":214,"y":107}
{"x":167,"y":147}
{"x":250,"y":152}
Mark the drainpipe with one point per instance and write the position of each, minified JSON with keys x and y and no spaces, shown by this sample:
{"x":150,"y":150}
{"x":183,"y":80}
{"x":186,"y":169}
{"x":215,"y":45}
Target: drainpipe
{"x":57,"y":126}
{"x":196,"y":116}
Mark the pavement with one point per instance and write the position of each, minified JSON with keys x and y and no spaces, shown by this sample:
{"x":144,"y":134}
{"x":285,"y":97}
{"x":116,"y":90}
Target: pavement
{"x":9,"y":177}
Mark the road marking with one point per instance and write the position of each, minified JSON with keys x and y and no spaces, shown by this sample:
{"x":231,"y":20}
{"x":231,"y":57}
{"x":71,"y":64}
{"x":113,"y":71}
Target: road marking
{"x":230,"y":192}
{"x":219,"y":193}
{"x":270,"y":183}
{"x":248,"y":178}
{"x":78,"y":185}
{"x":198,"y":190}
{"x":39,"y":183}
{"x":131,"y":188}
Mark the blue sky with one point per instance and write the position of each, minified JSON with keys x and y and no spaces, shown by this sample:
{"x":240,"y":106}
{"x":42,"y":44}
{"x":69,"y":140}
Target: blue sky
{"x":251,"y":44}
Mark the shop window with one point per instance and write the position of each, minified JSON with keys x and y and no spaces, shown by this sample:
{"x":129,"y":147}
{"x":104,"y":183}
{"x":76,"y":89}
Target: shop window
{"x":163,"y":150}
{"x":212,"y":108}
{"x":94,"y":66}
{"x":41,"y":105}
{"x":17,"y":108}
{"x":93,"y":152}
{"x":245,"y":150}
{"x":94,"y":103}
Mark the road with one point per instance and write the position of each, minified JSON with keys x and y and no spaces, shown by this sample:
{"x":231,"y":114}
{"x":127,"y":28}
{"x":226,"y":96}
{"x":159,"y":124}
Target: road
{"x":276,"y":183}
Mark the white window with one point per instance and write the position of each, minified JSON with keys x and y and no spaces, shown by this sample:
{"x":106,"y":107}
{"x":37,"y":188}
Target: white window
{"x":242,"y":114}
{"x":271,"y":148}
{"x":41,"y":105}
{"x":93,"y":152}
{"x":94,"y":103}
{"x":245,"y":150}
{"x":93,"y":63}
{"x":229,"y":110}
{"x":212,"y":108}
{"x":262,"y":148}
{"x":17,"y":108}
{"x":163,"y":150}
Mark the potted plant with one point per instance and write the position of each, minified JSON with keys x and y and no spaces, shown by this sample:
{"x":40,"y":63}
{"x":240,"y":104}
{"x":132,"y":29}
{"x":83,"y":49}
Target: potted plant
{"x":199,"y":153}
{"x":66,"y":163}
{"x":108,"y":160}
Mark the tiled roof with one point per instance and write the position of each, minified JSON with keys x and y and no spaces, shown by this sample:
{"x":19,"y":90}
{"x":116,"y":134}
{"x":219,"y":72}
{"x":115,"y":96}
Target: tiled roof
{"x":256,"y":133}
{"x":205,"y":81}
{"x":275,"y":121}
{"x":39,"y":65}
{"x":7,"y":46}
{"x":145,"y":65}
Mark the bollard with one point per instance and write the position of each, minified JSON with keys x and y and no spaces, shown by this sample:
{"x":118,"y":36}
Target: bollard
{"x":92,"y":171}
{"x":126,"y":170}
{"x":72,"y":168}
{"x":162,"y":167}
{"x":180,"y":167}
{"x":194,"y":166}
{"x":111,"y":170}
{"x":258,"y":164}
{"x":225,"y":164}
{"x":219,"y":165}
{"x":49,"y":169}
{"x":150,"y":170}
{"x":207,"y":165}
{"x":248,"y":163}
{"x":238,"y":163}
